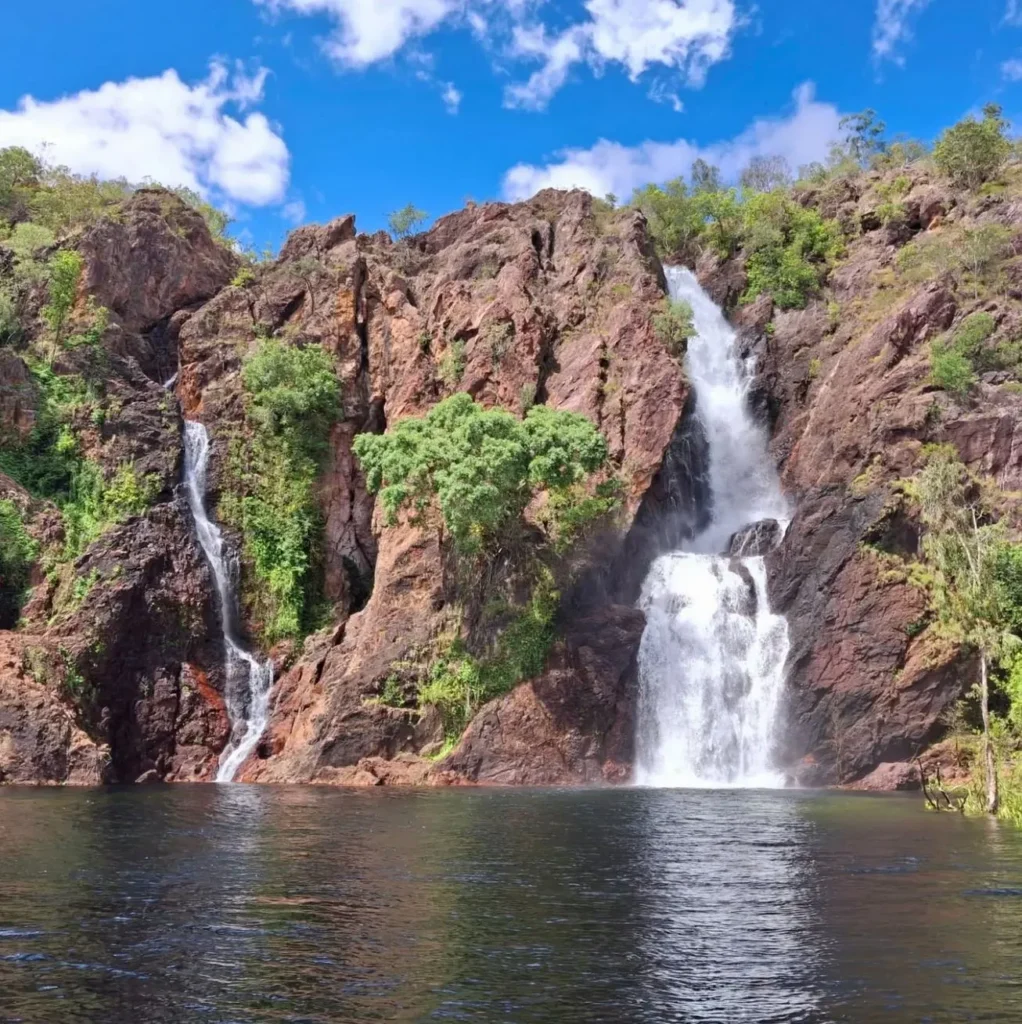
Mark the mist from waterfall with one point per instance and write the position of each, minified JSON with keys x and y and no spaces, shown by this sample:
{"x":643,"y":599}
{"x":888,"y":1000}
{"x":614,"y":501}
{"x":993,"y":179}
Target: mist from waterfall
{"x":248,"y":682}
{"x":712,"y":658}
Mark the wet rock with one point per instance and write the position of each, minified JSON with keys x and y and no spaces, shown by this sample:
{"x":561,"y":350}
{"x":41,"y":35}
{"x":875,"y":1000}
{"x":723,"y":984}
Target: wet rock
{"x":574,"y":724}
{"x":758,"y":539}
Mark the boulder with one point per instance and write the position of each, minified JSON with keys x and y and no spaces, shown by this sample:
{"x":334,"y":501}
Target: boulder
{"x":756,"y":540}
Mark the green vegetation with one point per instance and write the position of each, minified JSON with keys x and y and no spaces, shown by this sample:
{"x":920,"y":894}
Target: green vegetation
{"x":65,"y":270}
{"x":458,"y":683}
{"x":970,"y":256}
{"x":54,"y":199}
{"x":405,"y":221}
{"x":472,"y":473}
{"x":973,"y":152}
{"x":789,"y":247}
{"x":972,"y":573}
{"x":478,"y":467}
{"x":18,"y":552}
{"x":951,"y":370}
{"x":955,"y":357}
{"x":451,"y":367}
{"x":294,"y":398}
{"x":96,"y":504}
{"x":672,"y":324}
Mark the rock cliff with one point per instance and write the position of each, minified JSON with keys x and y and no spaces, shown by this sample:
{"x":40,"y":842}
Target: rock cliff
{"x":114,"y":670}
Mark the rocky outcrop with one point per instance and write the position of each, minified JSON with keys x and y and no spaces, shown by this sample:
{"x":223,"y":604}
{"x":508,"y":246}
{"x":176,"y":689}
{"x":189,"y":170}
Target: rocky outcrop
{"x":574,"y":724}
{"x":756,"y":540}
{"x":155,"y":257}
{"x":547,"y":301}
{"x":852,"y":407}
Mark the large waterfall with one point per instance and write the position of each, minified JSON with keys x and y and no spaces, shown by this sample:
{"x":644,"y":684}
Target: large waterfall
{"x":248,"y":682}
{"x":712,"y":659}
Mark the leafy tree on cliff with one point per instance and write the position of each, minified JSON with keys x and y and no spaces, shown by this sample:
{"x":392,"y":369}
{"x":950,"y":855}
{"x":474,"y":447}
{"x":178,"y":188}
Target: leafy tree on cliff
{"x":975,"y":582}
{"x":404,"y":221}
{"x":480,"y":466}
{"x":675,"y":220}
{"x":972,"y":152}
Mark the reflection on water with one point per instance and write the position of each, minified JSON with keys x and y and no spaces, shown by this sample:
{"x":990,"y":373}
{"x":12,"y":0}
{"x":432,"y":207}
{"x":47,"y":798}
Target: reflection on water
{"x":243,"y":904}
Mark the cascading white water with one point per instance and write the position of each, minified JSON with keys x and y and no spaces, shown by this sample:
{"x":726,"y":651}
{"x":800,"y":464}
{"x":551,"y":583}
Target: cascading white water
{"x":248,"y":682}
{"x":711,"y":663}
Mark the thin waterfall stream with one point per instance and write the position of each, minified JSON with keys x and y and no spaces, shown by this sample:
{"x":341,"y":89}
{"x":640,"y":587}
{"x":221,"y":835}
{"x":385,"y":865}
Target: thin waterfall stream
{"x":712,"y":658}
{"x":248,"y":682}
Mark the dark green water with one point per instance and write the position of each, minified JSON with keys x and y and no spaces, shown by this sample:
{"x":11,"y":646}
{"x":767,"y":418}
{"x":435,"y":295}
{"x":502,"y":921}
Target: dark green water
{"x":238,"y":904}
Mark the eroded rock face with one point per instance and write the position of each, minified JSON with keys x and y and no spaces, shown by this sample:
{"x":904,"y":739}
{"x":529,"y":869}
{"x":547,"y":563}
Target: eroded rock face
{"x":153,"y":259}
{"x":574,"y":724}
{"x":550,"y":303}
{"x":758,"y":539}
{"x":852,"y":407}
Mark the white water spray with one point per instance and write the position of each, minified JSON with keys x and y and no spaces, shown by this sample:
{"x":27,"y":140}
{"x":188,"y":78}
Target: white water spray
{"x":248,"y":682}
{"x":712,"y":659}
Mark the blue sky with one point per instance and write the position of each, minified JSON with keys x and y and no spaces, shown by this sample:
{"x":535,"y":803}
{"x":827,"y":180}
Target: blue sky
{"x":290,"y":110}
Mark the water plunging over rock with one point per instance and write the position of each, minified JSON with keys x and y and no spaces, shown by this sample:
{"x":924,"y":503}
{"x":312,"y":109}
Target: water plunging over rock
{"x":248,"y":682}
{"x":712,"y":658}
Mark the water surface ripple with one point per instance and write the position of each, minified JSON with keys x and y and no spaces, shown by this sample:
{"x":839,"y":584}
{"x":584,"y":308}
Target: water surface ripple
{"x":243,"y":904}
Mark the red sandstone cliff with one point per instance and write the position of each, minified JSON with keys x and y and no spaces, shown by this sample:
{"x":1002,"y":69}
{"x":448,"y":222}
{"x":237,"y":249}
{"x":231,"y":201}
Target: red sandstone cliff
{"x":551,"y":299}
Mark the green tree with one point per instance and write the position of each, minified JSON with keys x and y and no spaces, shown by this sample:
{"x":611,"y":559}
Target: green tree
{"x":293,"y":399}
{"x":18,"y":170}
{"x":293,"y":390}
{"x":705,"y":177}
{"x":790,"y":248}
{"x":672,"y":324}
{"x":724,"y":220}
{"x":65,"y":270}
{"x":479,"y":467}
{"x":864,"y":136}
{"x":674,"y":219}
{"x":404,"y":221}
{"x":972,"y":152}
{"x":972,"y":595}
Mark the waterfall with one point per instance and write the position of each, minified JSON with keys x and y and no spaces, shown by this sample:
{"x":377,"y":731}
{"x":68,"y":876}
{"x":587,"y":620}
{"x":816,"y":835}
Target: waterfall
{"x":248,"y":682}
{"x":712,"y":658}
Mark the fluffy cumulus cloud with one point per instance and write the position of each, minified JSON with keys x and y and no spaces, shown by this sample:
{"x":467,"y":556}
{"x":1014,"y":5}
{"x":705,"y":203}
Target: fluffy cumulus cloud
{"x":684,"y":36}
{"x":803,"y":136}
{"x":893,"y":27}
{"x":202,"y":136}
{"x":371,"y":30}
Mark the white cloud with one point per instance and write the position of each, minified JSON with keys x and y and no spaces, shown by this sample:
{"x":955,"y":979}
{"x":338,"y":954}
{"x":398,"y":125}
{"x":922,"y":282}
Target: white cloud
{"x":1013,"y":13}
{"x":294,"y":211}
{"x":801,"y":137}
{"x":1012,"y":70}
{"x":688,"y":35}
{"x":452,"y":98}
{"x":367,"y":31}
{"x":558,"y":56}
{"x":892,"y":27}
{"x":660,"y":93}
{"x":162,"y":129}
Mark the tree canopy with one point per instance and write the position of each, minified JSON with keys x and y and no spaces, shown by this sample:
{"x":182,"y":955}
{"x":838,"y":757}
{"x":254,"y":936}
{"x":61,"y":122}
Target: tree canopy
{"x":480,"y":466}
